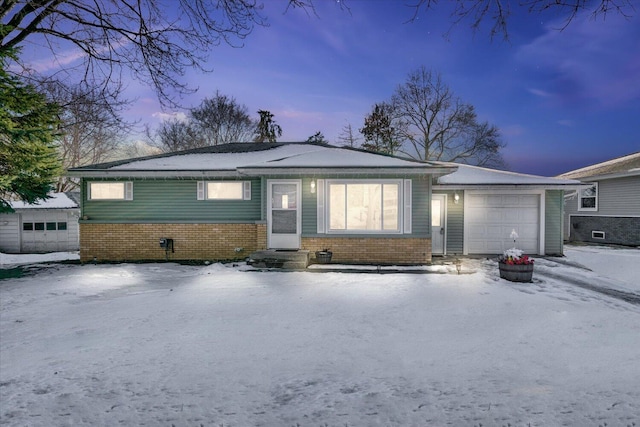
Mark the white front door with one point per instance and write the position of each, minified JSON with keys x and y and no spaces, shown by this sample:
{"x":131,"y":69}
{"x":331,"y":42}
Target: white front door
{"x":284,"y":214}
{"x":438,"y":222}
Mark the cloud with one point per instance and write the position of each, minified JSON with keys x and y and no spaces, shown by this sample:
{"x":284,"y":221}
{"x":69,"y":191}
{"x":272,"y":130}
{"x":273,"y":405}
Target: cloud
{"x":162,"y":116}
{"x":539,"y":92}
{"x":592,"y":61}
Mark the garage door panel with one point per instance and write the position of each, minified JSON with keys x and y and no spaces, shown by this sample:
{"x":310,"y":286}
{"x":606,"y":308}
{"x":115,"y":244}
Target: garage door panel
{"x":490,"y":218}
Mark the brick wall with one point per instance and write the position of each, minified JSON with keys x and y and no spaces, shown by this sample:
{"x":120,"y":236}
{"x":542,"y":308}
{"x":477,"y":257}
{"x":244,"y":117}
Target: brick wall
{"x":372,"y":250}
{"x":618,"y":230}
{"x":215,"y":242}
{"x":138,"y":242}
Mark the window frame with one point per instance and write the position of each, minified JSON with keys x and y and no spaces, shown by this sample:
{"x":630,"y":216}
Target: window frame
{"x":401,"y":206}
{"x":127,"y":191}
{"x":581,"y":197}
{"x":203,"y":190}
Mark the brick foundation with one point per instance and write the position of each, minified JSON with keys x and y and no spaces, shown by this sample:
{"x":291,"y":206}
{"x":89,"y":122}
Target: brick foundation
{"x":140,"y":242}
{"x":218,"y":242}
{"x":372,"y":250}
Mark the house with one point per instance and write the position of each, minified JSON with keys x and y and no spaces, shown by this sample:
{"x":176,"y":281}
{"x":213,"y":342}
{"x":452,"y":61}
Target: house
{"x":48,"y":226}
{"x":226,"y":201}
{"x":609,"y":210}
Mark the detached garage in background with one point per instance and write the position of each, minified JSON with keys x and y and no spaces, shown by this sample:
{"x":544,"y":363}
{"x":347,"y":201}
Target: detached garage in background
{"x":49,"y":226}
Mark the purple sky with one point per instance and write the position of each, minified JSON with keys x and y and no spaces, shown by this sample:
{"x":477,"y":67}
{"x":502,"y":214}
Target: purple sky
{"x":562,"y":99}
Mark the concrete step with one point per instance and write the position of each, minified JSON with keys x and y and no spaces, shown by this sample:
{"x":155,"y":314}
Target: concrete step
{"x":272,"y":258}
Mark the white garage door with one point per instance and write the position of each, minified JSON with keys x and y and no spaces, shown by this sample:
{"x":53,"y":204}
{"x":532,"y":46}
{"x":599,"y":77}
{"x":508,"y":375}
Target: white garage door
{"x":490,"y":218}
{"x":47,"y":231}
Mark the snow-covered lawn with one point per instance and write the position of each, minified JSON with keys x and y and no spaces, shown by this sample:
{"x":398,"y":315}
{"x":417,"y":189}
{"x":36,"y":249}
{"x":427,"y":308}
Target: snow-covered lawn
{"x":166,"y":344}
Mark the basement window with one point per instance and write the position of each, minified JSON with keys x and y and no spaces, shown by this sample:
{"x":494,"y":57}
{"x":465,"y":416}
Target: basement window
{"x":597,"y":234}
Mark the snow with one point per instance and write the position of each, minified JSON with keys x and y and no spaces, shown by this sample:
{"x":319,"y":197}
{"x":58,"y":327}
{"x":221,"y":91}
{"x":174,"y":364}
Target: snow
{"x":55,"y":201}
{"x":168,"y":344}
{"x":621,"y":264}
{"x":289,"y":155}
{"x":10,"y":260}
{"x":474,"y":175}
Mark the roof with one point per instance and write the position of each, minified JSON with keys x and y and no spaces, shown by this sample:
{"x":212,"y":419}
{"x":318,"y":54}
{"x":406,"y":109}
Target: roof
{"x":619,"y":167}
{"x":474,"y":176}
{"x":238,"y":159}
{"x":55,"y":201}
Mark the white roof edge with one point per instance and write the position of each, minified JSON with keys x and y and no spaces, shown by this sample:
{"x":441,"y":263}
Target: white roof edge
{"x":602,"y":164}
{"x":632,"y":172}
{"x":125,"y":173}
{"x":414,"y":170}
{"x":509,"y":186}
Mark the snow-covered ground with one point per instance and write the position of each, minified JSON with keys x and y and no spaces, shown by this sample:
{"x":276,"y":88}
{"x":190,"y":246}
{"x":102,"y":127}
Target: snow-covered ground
{"x":166,"y":344}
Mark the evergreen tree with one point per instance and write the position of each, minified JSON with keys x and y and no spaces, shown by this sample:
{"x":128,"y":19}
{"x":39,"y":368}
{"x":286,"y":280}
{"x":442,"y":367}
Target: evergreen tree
{"x":268,"y":130}
{"x":29,"y":163}
{"x":317,"y":138}
{"x":379,"y":134}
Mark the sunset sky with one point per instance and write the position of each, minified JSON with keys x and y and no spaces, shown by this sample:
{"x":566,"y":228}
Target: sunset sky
{"x":562,"y":99}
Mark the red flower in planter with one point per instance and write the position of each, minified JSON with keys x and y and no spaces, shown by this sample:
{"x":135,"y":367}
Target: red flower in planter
{"x":514,"y":256}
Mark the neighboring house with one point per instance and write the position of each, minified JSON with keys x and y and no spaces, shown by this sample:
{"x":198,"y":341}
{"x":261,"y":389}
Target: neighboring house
{"x":609,"y":210}
{"x":48,"y":226}
{"x":225,"y":202}
{"x":475,"y":210}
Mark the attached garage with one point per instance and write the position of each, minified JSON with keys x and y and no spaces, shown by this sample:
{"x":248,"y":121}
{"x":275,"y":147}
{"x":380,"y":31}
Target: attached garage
{"x":483,"y":206}
{"x":490,"y":218}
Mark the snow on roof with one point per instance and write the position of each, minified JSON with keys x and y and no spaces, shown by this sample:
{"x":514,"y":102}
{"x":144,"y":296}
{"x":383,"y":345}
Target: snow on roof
{"x":475,"y":175}
{"x":286,"y":155}
{"x":55,"y":201}
{"x":625,"y":165}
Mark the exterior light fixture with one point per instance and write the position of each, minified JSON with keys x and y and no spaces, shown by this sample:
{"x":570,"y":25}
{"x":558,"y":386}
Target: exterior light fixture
{"x":313,"y":186}
{"x":456,"y":198}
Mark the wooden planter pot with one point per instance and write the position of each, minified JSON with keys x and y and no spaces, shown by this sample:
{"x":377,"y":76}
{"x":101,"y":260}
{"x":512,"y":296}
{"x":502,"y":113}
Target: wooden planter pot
{"x":323,"y":257}
{"x":516,"y":273}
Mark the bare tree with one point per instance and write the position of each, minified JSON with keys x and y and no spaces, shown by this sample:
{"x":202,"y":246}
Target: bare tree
{"x":221,"y":120}
{"x":91,"y":127}
{"x":153,"y":41}
{"x":347,"y":136}
{"x":176,"y":135}
{"x":497,"y":12}
{"x":437,"y":125}
{"x":217,"y":120}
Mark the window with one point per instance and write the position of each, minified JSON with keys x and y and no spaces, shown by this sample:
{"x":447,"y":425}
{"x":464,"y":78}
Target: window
{"x":39,"y":226}
{"x":62,"y":226}
{"x":224,"y":190}
{"x":51,"y":226}
{"x":588,"y":198}
{"x":27,"y":226}
{"x":364,"y":206}
{"x":110,"y":191}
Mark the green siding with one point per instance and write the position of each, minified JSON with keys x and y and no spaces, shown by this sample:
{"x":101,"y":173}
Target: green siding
{"x":172,"y":200}
{"x":553,"y":239}
{"x":454,"y":222}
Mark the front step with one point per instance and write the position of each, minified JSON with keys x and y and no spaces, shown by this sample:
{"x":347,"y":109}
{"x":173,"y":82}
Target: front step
{"x":272,"y":258}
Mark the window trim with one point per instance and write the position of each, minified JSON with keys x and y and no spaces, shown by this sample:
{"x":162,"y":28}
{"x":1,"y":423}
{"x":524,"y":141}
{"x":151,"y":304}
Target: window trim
{"x":401,"y":207}
{"x":128,"y":190}
{"x":202,"y":190}
{"x":581,"y":197}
